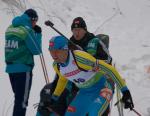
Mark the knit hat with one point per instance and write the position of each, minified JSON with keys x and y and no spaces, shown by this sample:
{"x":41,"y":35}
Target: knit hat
{"x":32,"y":14}
{"x":58,"y":43}
{"x":78,"y":22}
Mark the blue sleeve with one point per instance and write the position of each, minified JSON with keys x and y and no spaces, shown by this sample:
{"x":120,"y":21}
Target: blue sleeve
{"x":124,"y":89}
{"x":33,"y":42}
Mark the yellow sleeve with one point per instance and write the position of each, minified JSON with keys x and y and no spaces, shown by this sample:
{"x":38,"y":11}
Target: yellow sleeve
{"x":87,"y":62}
{"x":61,"y":84}
{"x":113,"y":73}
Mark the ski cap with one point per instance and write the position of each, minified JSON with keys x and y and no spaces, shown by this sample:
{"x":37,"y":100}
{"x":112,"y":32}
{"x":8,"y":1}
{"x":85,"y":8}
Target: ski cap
{"x":78,"y":22}
{"x":32,"y":14}
{"x":58,"y":43}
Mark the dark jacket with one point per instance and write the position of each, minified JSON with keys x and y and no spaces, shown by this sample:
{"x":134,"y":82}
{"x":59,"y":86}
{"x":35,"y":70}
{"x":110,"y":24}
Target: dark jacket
{"x":100,"y":54}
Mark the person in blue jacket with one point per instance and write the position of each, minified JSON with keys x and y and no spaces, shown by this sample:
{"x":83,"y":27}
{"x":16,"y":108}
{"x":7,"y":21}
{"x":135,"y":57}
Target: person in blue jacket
{"x":22,"y":42}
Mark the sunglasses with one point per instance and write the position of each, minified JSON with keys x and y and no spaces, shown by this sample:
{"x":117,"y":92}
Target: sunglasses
{"x":34,"y":19}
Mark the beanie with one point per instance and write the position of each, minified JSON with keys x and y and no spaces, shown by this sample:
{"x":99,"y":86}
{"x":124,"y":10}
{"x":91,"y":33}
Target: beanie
{"x":58,"y":43}
{"x":32,"y":14}
{"x":78,"y":22}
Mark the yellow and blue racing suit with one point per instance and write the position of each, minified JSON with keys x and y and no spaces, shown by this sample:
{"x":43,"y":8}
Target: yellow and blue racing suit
{"x":95,"y":93}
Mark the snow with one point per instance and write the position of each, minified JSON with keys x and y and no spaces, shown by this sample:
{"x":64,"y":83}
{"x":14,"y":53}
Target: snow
{"x":125,"y":21}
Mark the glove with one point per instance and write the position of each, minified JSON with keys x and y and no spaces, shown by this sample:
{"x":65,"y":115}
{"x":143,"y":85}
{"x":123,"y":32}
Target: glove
{"x":127,"y":100}
{"x":46,"y":93}
{"x":54,"y":103}
{"x":37,"y":29}
{"x":53,"y":99}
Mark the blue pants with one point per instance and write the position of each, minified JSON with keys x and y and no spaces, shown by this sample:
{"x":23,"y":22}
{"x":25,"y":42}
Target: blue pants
{"x":21,"y":85}
{"x":93,"y":100}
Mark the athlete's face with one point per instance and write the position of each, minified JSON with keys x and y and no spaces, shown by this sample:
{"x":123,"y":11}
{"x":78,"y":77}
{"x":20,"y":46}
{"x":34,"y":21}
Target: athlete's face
{"x":59,"y":56}
{"x":78,"y":33}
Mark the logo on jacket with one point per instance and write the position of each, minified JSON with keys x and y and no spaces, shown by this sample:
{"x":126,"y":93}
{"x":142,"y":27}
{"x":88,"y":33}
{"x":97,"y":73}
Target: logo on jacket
{"x":11,"y":44}
{"x":97,"y":100}
{"x":71,"y":109}
{"x":74,"y":72}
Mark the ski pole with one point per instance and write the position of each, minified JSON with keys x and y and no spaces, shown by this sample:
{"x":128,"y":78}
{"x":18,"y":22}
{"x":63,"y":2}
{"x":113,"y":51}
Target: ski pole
{"x":117,"y":102}
{"x":41,"y":59}
{"x":136,"y":112}
{"x":119,"y":105}
{"x":50,"y":24}
{"x":44,"y":68}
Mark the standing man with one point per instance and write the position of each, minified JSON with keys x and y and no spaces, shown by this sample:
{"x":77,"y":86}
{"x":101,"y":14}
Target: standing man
{"x":91,"y":44}
{"x":88,"y":41}
{"x":22,"y":42}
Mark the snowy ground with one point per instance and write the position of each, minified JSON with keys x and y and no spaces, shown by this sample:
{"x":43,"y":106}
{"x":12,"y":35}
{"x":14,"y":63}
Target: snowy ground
{"x":126,"y":22}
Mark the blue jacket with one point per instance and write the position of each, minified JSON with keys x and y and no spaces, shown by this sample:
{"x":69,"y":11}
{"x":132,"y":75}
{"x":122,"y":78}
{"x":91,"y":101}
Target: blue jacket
{"x":21,"y":31}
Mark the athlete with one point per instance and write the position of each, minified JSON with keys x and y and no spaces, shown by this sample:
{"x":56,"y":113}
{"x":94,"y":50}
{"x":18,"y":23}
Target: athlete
{"x":94,"y":91}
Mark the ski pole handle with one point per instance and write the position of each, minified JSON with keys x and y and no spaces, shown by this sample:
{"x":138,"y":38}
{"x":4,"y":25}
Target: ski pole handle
{"x":50,"y":24}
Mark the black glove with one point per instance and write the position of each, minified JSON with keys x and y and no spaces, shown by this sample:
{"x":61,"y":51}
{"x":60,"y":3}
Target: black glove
{"x":37,"y":29}
{"x":127,"y":100}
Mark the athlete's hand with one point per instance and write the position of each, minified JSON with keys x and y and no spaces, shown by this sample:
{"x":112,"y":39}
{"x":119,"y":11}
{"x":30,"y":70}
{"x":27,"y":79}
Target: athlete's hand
{"x":96,"y":67}
{"x":127,"y":100}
